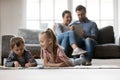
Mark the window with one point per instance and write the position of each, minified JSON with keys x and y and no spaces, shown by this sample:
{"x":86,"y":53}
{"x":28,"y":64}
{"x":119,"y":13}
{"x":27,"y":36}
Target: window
{"x":33,"y":14}
{"x":43,"y":13}
{"x":101,"y":11}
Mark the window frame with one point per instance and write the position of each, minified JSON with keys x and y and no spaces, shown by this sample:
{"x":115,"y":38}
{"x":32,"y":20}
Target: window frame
{"x":70,"y":7}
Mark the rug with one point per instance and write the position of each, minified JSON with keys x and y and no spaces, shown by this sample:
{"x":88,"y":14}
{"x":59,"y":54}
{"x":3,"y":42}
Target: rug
{"x":96,"y":64}
{"x":87,"y":67}
{"x":75,"y":67}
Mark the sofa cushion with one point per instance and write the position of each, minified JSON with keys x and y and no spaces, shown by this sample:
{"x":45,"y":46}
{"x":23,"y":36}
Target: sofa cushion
{"x":106,"y":35}
{"x":107,"y":51}
{"x":30,"y":36}
{"x":34,"y":49}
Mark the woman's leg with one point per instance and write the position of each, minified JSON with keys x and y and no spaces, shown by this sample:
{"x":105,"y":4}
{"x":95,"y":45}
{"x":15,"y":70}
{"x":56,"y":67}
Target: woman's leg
{"x":60,"y":38}
{"x":68,"y":40}
{"x":67,"y":37}
{"x":73,"y":38}
{"x":63,"y":40}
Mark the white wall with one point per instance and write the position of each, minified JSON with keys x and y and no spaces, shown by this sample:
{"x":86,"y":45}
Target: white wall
{"x":118,"y":21}
{"x":12,"y":16}
{"x":119,"y":16}
{"x":0,"y":30}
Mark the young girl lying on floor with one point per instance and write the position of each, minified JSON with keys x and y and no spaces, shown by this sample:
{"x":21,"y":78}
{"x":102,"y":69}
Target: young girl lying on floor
{"x":52,"y":54}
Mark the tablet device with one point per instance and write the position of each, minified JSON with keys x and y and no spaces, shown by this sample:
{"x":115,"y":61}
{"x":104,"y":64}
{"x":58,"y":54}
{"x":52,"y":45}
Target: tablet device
{"x":78,"y":28}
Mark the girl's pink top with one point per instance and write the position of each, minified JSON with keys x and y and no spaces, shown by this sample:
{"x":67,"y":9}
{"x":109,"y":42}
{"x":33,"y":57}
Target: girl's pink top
{"x":60,"y":55}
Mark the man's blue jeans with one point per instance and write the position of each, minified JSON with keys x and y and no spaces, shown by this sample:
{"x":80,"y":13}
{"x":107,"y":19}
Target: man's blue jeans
{"x":88,"y":44}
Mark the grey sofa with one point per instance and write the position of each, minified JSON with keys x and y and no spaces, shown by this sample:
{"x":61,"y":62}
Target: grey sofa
{"x":31,"y":43}
{"x":105,"y":49}
{"x":31,"y":40}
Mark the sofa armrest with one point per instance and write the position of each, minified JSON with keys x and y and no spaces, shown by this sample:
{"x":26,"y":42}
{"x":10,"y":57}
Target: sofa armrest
{"x":5,"y":46}
{"x":117,"y":40}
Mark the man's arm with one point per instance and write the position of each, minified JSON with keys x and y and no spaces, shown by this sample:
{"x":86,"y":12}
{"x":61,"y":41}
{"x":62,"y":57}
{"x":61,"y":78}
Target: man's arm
{"x":94,"y":32}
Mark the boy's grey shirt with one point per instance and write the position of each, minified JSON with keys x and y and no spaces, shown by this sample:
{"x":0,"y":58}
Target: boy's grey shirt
{"x":26,"y":57}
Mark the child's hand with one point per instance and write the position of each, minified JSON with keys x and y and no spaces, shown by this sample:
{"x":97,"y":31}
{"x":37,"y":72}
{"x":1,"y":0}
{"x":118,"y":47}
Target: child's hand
{"x":16,"y":64}
{"x":28,"y":64}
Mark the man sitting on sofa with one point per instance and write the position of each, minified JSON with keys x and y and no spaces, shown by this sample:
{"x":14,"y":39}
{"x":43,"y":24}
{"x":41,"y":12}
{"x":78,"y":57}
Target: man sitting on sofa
{"x":89,"y":33}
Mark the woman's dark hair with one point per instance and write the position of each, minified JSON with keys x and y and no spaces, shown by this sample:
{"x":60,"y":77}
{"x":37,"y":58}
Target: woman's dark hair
{"x":80,"y":7}
{"x":65,"y":12}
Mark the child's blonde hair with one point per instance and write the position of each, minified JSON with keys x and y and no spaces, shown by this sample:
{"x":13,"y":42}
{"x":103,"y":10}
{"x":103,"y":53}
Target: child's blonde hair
{"x":16,"y":41}
{"x":50,"y":34}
